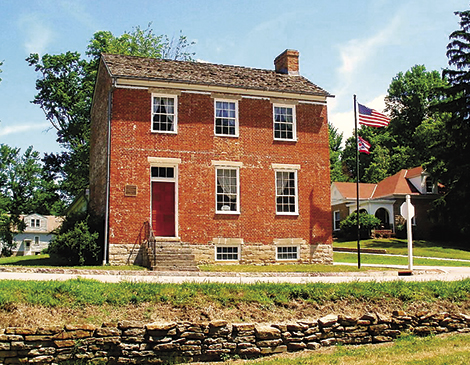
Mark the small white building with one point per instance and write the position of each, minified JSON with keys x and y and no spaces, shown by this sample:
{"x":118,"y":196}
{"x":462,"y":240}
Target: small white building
{"x":37,"y":234}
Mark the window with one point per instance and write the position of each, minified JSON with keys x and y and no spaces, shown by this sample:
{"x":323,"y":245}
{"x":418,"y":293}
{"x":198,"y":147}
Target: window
{"x":158,"y":172}
{"x":429,"y":186}
{"x":227,"y":190}
{"x":164,"y":113}
{"x":226,"y":253}
{"x":336,"y":220}
{"x":284,"y":123}
{"x":287,"y":253}
{"x":35,"y":223}
{"x":226,"y":118}
{"x":286,"y":192}
{"x":36,"y":240}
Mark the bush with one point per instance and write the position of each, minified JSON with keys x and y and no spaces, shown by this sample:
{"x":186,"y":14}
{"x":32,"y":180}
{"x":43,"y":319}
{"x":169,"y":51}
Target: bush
{"x":75,"y":242}
{"x":367,"y":222}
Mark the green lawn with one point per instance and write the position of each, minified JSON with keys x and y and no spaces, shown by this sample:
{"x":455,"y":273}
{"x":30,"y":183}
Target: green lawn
{"x":283,"y":268}
{"x":397,"y":246}
{"x":393,"y":260}
{"x":408,"y":350}
{"x":42,"y":261}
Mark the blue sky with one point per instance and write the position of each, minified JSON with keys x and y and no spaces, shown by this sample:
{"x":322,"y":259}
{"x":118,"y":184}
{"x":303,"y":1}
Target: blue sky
{"x":346,"y":47}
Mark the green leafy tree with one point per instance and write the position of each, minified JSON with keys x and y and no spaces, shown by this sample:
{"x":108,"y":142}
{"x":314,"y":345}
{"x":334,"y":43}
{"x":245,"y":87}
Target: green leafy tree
{"x":401,"y":145}
{"x":367,"y":222}
{"x":24,"y":189}
{"x":1,"y":64}
{"x":76,"y":242}
{"x":336,"y":166}
{"x":65,"y":90}
{"x":451,"y":164}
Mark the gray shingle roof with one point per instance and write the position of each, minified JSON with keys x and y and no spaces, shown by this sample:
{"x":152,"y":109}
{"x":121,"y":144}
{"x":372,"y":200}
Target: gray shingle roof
{"x":208,"y":74}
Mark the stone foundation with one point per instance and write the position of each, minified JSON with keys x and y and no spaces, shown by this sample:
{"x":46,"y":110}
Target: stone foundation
{"x":249,"y":253}
{"x":178,"y":342}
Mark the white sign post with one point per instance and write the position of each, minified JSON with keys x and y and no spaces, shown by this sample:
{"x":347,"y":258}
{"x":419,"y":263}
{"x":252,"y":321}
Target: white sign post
{"x":407,"y":211}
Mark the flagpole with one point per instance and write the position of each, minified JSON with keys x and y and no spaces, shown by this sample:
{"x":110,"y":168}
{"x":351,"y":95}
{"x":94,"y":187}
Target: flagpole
{"x":357,"y":187}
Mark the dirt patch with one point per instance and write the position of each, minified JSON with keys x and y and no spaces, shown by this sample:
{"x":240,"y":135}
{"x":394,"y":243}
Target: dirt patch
{"x":22,"y":315}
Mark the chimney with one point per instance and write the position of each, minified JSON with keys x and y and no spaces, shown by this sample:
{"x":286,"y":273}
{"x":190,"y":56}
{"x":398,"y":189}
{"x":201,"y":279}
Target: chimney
{"x":287,"y":62}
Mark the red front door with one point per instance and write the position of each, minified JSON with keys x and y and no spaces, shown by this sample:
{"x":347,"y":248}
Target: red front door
{"x":163,"y":209}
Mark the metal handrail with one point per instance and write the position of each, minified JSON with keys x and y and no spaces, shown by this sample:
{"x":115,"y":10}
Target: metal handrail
{"x":143,"y":236}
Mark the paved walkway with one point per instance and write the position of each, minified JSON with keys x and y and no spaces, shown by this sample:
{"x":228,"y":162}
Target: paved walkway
{"x":420,"y":273}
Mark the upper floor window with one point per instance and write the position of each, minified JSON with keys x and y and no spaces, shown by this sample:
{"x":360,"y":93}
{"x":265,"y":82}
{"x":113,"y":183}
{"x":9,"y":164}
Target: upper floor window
{"x":226,"y":118}
{"x":35,"y":223}
{"x":284,"y":122}
{"x":164,"y":113}
{"x":286,"y":192}
{"x":227,"y":190}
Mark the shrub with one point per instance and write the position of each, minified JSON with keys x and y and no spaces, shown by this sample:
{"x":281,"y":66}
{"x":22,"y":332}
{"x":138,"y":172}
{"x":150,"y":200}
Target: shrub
{"x":75,"y":242}
{"x":367,"y":222}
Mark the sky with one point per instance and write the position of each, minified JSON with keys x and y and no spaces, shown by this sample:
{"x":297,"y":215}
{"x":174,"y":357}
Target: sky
{"x":346,"y":47}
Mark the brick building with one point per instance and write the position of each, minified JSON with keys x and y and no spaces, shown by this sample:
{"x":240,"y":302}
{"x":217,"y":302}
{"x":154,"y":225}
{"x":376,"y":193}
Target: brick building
{"x":229,"y":162}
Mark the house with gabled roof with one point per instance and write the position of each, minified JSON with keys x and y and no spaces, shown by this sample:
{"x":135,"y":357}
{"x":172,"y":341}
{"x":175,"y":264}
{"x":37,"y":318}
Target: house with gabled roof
{"x":37,"y":234}
{"x":385,"y":198}
{"x":225,"y":163}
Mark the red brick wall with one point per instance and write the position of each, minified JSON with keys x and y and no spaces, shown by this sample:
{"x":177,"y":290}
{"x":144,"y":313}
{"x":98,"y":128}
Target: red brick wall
{"x":195,"y":144}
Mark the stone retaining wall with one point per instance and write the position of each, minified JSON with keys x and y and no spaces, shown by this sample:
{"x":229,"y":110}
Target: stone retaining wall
{"x":159,"y":343}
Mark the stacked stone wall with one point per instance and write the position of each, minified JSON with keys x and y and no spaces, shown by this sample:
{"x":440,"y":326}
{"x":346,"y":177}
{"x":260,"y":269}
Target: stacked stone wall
{"x":177,"y":342}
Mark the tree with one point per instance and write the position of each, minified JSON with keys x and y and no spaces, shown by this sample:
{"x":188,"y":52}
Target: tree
{"x":451,"y":165}
{"x":336,"y":166}
{"x":23,"y":189}
{"x":1,"y":64}
{"x":65,"y":90}
{"x":401,"y":145}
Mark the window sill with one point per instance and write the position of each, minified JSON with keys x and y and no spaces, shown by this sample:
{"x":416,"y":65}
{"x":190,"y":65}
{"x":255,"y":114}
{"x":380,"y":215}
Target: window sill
{"x":225,"y":213}
{"x":287,"y":214}
{"x":285,"y":140}
{"x":167,"y":239}
{"x":226,"y":135}
{"x":163,"y":132}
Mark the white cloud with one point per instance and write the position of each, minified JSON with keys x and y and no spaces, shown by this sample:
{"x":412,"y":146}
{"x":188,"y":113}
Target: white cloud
{"x":17,"y":129}
{"x":37,"y":34}
{"x":358,"y":57}
{"x":358,"y":54}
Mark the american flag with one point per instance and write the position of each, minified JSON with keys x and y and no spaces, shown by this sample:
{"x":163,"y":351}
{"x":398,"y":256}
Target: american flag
{"x":363,"y":145}
{"x":371,"y":117}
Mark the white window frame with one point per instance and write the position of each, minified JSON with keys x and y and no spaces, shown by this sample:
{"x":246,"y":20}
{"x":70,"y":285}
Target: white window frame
{"x":237,"y":172}
{"x":294,"y":122}
{"x":235,"y":102}
{"x":278,"y":254}
{"x":228,"y":165}
{"x":227,"y":247}
{"x":165,"y":162}
{"x":336,"y":228}
{"x":278,"y":168}
{"x":175,"y":113}
{"x":37,"y":240}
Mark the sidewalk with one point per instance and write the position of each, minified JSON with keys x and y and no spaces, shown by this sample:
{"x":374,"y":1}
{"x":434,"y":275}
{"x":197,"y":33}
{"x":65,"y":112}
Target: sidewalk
{"x":420,"y":273}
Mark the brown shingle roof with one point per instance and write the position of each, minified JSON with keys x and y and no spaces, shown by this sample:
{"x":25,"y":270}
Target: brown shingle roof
{"x":348,"y":190}
{"x":397,"y":184}
{"x":208,"y":74}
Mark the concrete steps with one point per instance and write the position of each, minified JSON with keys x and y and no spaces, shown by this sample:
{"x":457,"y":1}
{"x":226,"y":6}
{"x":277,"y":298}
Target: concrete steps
{"x":172,"y":257}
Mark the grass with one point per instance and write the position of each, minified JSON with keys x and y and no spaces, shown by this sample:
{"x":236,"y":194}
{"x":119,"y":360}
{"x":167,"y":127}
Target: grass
{"x":82,"y":292}
{"x":409,"y":350}
{"x":305,"y":268}
{"x":394,"y":260}
{"x":43,"y":261}
{"x":397,"y":246}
